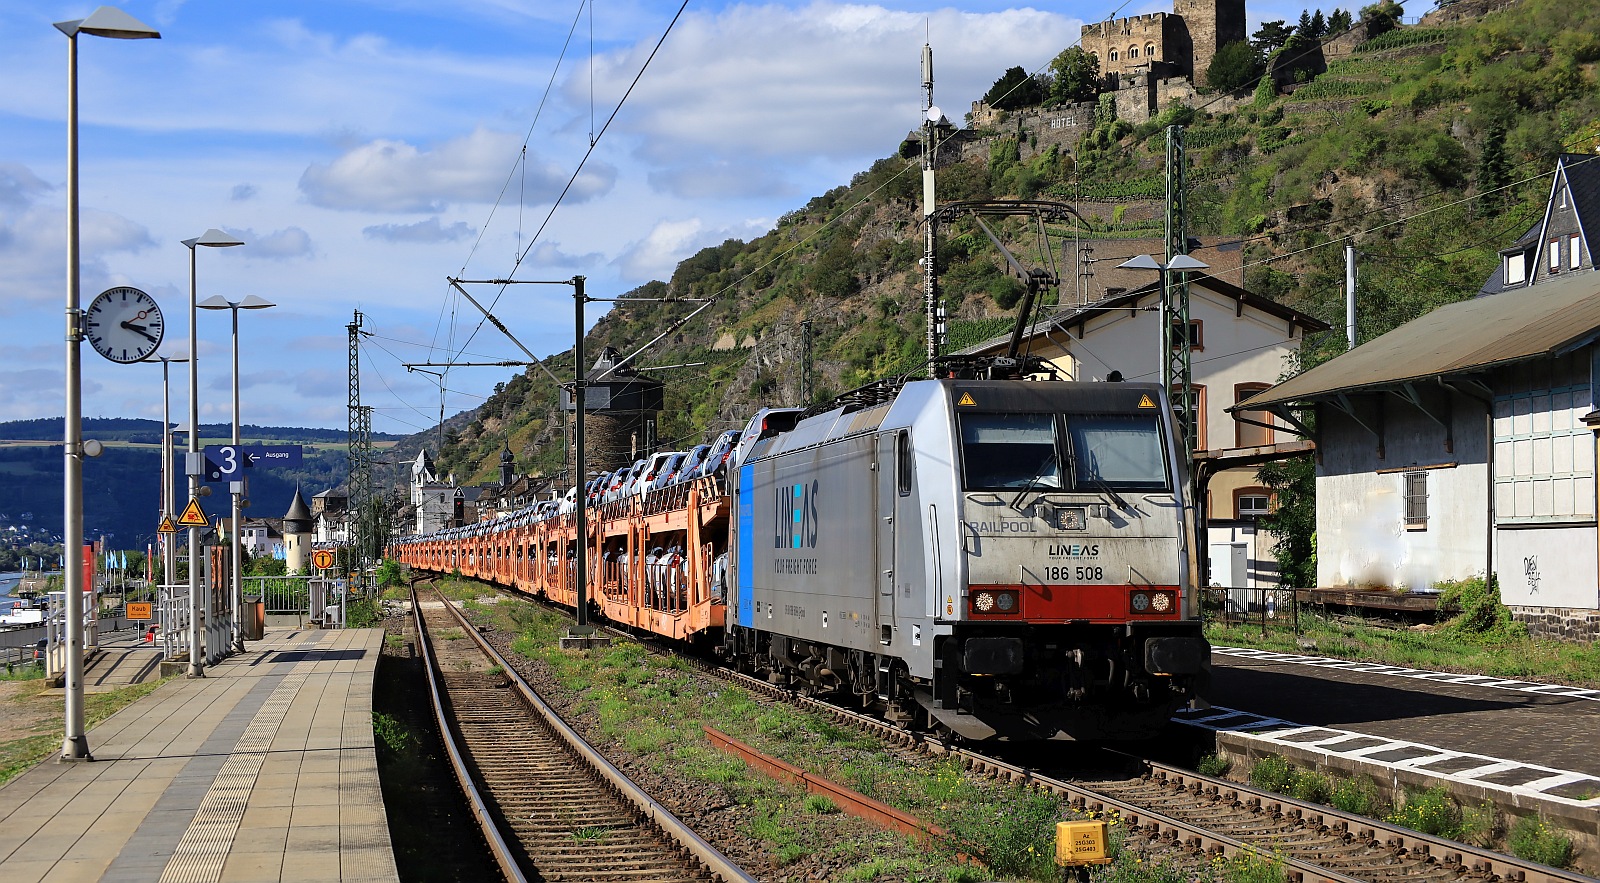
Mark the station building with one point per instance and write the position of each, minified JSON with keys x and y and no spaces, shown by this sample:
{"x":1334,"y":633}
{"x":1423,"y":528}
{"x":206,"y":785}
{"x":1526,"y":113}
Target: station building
{"x":1463,"y":443}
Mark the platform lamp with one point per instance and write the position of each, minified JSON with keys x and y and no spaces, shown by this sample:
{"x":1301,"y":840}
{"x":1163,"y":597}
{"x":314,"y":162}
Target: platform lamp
{"x":212,"y":238}
{"x":236,"y":488}
{"x":107,"y":21}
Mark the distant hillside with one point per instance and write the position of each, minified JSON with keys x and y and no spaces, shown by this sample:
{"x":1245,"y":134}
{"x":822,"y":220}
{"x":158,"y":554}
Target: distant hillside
{"x":122,"y":486}
{"x":1428,"y":146}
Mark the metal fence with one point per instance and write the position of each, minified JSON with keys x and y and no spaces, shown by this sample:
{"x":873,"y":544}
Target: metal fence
{"x":280,"y":594}
{"x":1245,"y":605}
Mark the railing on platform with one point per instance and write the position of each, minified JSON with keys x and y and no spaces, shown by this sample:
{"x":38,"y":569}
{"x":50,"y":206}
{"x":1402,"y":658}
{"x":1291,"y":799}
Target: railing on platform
{"x":1243,"y":605}
{"x":172,"y":618}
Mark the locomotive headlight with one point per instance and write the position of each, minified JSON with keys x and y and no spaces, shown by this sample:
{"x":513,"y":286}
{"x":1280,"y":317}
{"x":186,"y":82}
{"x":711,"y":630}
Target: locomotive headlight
{"x":1006,"y":602}
{"x":1141,"y":602}
{"x":983,"y":602}
{"x":1161,"y":602}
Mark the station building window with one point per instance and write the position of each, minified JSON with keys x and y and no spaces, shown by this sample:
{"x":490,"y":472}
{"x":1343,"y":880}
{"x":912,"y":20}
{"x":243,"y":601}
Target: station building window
{"x":1416,"y":500}
{"x":1251,"y":502}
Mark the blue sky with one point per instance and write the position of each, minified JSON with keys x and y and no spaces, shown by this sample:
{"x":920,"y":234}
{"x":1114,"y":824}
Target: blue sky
{"x":367,"y":150}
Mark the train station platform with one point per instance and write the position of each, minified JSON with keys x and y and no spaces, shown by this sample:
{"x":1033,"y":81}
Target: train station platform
{"x":262,"y":771}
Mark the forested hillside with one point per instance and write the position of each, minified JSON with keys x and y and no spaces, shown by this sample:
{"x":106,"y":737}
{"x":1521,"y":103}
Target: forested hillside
{"x":1429,"y":147}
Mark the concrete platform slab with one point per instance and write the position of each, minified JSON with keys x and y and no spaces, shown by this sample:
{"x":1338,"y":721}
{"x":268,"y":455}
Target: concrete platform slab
{"x":263,"y":770}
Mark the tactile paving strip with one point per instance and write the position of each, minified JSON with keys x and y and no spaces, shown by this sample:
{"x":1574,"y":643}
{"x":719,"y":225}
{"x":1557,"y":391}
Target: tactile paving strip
{"x":204,"y":848}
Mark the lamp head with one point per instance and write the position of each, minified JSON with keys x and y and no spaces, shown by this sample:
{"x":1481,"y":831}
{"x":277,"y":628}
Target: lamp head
{"x":1141,"y":262}
{"x":213,"y":238}
{"x":1184,"y":262}
{"x":215,"y":302}
{"x":251,"y":302}
{"x":109,"y":21}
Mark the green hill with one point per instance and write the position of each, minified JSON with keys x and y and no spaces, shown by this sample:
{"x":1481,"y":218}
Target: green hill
{"x":1429,"y":147}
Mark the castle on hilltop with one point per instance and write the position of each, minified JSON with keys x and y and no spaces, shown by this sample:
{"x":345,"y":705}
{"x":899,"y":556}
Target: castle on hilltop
{"x":1162,"y":45}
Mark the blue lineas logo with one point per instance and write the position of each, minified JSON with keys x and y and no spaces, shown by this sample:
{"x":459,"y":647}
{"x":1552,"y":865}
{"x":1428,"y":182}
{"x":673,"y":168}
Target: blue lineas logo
{"x":795,"y":526}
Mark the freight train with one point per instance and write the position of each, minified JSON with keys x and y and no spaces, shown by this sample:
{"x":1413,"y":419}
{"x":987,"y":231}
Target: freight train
{"x":991,"y":559}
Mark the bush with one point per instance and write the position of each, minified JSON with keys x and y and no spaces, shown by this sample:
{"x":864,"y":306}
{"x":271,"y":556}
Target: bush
{"x":1357,"y":795}
{"x":1432,"y":811}
{"x":1214,"y":766}
{"x":1532,"y":839}
{"x":1482,"y":615}
{"x":1272,"y":773}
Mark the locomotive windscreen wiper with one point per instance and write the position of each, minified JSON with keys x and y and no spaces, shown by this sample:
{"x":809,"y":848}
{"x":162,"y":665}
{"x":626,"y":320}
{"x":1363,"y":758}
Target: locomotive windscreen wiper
{"x":1037,"y":474}
{"x":1101,"y":486}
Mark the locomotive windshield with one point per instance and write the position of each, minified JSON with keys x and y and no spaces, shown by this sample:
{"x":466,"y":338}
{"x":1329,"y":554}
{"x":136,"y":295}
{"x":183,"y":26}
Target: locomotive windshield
{"x":1010,"y":450}
{"x":1118,"y":451}
{"x":1122,"y":451}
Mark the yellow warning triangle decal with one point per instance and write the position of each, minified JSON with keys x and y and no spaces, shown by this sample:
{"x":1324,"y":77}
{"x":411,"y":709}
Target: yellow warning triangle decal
{"x":193,"y":515}
{"x":167,"y":526}
{"x":966,"y":399}
{"x":1146,"y":402}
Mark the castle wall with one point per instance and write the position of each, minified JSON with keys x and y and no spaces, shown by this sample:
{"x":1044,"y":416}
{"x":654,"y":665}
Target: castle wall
{"x":1126,"y":45}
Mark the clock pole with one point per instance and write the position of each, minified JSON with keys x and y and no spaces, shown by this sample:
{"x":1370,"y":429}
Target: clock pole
{"x":107,"y":21}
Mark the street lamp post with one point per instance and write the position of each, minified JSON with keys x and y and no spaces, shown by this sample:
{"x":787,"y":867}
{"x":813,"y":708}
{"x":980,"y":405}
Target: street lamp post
{"x":169,"y":549}
{"x":110,"y":22}
{"x":212,"y":238}
{"x":236,"y":488}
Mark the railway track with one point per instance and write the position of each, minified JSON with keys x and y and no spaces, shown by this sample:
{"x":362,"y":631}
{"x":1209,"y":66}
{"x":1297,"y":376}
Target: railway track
{"x":1172,"y":813}
{"x":550,"y":806}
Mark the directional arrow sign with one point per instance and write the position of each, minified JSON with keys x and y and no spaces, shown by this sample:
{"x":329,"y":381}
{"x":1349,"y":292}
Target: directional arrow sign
{"x":274,"y":455}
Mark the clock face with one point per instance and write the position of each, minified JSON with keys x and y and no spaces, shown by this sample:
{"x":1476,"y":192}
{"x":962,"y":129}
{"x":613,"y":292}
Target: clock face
{"x":123,"y":324}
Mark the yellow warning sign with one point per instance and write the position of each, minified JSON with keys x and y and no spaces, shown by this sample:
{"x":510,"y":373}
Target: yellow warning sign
{"x":193,"y":515}
{"x":166,"y":525}
{"x":1146,"y":402}
{"x":966,"y":399}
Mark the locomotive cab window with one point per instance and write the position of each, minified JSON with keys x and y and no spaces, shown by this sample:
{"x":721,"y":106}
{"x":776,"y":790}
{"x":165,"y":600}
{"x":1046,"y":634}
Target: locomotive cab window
{"x":902,"y":451}
{"x":1122,"y":451}
{"x":1009,"y":451}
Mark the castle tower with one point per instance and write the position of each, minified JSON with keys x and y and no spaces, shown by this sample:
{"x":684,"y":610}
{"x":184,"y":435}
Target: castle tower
{"x":297,"y":527}
{"x":1211,"y":24}
{"x":508,"y":466}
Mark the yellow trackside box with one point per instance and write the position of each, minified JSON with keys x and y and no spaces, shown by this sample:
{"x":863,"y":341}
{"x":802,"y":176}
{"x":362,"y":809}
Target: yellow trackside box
{"x":1081,"y":843}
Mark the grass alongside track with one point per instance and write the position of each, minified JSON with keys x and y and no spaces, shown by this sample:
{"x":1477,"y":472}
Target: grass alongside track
{"x":36,"y":701}
{"x":653,"y":707}
{"x":1436,"y":647}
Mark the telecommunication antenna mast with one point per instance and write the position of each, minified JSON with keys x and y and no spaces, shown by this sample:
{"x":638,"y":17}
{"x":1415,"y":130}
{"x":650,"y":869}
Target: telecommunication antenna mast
{"x":359,"y":456}
{"x":931,"y":116}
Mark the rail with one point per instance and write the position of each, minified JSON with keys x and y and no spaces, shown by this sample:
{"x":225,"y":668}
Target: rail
{"x":718,"y":864}
{"x":503,"y":855}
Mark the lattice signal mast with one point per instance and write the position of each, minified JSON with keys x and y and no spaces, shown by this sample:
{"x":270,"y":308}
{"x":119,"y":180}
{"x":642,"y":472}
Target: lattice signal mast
{"x":359,"y":455}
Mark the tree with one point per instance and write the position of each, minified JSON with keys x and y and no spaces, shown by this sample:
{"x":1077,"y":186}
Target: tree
{"x":1381,"y":17}
{"x":1271,"y":36}
{"x":1319,"y":25}
{"x":1304,"y":28}
{"x":1014,"y":89}
{"x":1494,"y":170}
{"x":1338,"y":21}
{"x":1075,"y":76}
{"x":1233,"y":67}
{"x":1293,"y":519}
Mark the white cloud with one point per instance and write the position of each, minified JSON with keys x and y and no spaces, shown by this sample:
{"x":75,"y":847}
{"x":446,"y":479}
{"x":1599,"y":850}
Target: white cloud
{"x":825,"y":79}
{"x":279,"y":245}
{"x":422,"y":231}
{"x":658,"y":254}
{"x":19,"y":186}
{"x":243,"y":192}
{"x":394,"y":176}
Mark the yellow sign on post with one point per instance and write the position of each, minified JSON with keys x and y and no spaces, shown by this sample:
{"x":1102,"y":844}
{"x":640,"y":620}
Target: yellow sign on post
{"x":322,"y":559}
{"x":139,"y":610}
{"x":193,"y":515}
{"x":166,"y":525}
